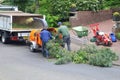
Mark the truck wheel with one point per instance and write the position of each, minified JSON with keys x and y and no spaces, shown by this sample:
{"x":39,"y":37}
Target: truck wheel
{"x":4,"y":38}
{"x":31,"y":47}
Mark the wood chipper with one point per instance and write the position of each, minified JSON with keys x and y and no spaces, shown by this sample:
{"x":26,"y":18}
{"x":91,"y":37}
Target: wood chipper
{"x":100,"y":37}
{"x":35,"y":42}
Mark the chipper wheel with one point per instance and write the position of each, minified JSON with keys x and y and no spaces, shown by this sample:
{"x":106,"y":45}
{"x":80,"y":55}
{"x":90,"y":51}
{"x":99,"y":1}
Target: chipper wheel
{"x":31,"y":47}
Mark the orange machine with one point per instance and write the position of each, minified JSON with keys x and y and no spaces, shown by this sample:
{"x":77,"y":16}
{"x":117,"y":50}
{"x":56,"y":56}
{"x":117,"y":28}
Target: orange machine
{"x":35,"y":40}
{"x":35,"y":36}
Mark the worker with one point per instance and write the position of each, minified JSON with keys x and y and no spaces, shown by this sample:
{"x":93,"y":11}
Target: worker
{"x":45,"y":36}
{"x":65,"y":35}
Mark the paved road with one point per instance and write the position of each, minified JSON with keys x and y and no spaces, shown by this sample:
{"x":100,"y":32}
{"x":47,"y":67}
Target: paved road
{"x":18,"y":63}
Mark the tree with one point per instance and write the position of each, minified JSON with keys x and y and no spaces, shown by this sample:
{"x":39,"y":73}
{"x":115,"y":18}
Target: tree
{"x":22,"y":4}
{"x":37,"y":6}
{"x":112,"y":3}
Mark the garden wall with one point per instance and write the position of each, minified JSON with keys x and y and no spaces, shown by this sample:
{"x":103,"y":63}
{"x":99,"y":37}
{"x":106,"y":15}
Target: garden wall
{"x":89,"y":17}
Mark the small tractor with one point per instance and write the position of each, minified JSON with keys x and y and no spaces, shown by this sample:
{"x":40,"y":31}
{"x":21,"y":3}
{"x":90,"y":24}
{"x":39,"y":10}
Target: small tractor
{"x":100,"y":37}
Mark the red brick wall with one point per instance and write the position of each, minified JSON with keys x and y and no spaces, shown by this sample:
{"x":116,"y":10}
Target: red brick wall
{"x":89,"y":17}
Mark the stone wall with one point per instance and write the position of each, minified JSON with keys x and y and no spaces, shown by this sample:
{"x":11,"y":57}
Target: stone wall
{"x":89,"y":17}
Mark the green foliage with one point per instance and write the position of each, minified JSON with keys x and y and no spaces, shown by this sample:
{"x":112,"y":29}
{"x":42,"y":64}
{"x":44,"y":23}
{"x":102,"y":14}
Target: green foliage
{"x":98,"y":56}
{"x":22,"y":4}
{"x":89,"y":5}
{"x":73,"y":5}
{"x":52,"y":20}
{"x":62,"y":7}
{"x":58,"y":10}
{"x":30,"y":8}
{"x":116,"y":14}
{"x":118,"y":35}
{"x":67,"y":23}
{"x":91,"y":49}
{"x":112,"y":3}
{"x":53,"y":49}
{"x":56,"y":51}
{"x":63,"y":60}
{"x":103,"y":58}
{"x":59,"y":7}
{"x":45,"y":7}
{"x":80,"y":57}
{"x":88,"y":54}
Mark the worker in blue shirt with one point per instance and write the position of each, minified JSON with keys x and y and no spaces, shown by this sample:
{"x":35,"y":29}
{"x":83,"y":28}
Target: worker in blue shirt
{"x":45,"y":36}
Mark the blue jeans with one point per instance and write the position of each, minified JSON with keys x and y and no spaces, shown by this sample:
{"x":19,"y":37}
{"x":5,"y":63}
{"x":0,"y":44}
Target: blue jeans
{"x":44,"y":50}
{"x":66,"y":39}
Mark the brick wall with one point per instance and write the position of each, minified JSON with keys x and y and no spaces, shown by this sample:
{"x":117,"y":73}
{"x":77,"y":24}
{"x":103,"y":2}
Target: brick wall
{"x":89,"y":17}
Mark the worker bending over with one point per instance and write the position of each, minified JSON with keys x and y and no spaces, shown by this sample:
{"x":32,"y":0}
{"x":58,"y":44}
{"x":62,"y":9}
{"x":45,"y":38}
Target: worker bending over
{"x":65,"y":33}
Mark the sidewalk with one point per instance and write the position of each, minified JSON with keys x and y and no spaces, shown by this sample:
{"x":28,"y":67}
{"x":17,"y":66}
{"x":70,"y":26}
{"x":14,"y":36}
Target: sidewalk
{"x":105,"y":26}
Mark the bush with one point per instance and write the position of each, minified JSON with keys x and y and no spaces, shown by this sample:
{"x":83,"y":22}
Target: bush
{"x":118,"y":35}
{"x":116,"y":14}
{"x":67,"y":24}
{"x":95,"y":56}
{"x":62,"y":55}
{"x":91,"y":49}
{"x":87,"y":54}
{"x":52,"y":20}
{"x":103,"y":58}
{"x":73,"y":5}
{"x":80,"y":57}
{"x":63,"y":60}
{"x":55,"y":50}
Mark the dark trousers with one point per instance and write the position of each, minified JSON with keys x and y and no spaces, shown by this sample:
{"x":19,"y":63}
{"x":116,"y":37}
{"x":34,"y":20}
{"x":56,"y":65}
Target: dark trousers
{"x":44,"y":50}
{"x":66,"y":39}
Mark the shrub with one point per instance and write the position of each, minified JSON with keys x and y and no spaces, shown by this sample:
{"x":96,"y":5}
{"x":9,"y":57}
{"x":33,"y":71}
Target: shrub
{"x":116,"y":14}
{"x":73,"y":5}
{"x":62,"y":55}
{"x":91,"y":49}
{"x":67,"y":24}
{"x":80,"y":57}
{"x":55,"y":50}
{"x":87,"y":54}
{"x":63,"y":60}
{"x":103,"y":58}
{"x":95,"y":56}
{"x":118,"y":35}
{"x":52,"y":20}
